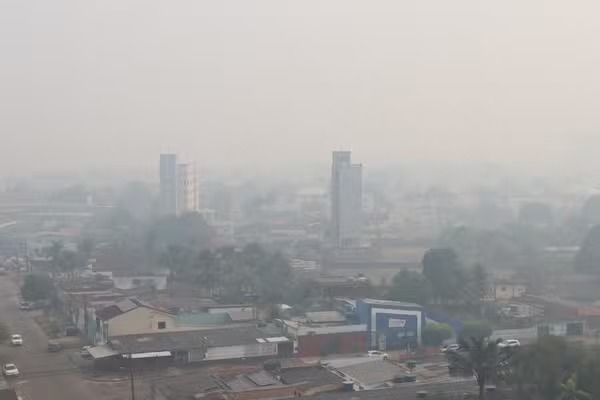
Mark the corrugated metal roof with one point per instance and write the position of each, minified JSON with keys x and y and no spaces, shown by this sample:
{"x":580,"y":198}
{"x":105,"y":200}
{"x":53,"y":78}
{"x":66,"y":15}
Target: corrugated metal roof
{"x":324,"y":330}
{"x":390,"y":303}
{"x":325,"y":316}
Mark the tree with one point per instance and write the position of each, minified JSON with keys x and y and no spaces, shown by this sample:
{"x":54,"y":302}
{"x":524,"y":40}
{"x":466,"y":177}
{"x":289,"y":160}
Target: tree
{"x":177,"y":259}
{"x":189,"y":230}
{"x":410,"y":286}
{"x":590,"y":213}
{"x":537,"y":214}
{"x":53,"y":252}
{"x":588,"y":256}
{"x":444,"y":270}
{"x":477,"y":287}
{"x":570,"y":390}
{"x":37,"y":287}
{"x":86,"y":247}
{"x":544,"y":365}
{"x":479,"y":356}
{"x":476,"y":330}
{"x":435,"y":334}
{"x":4,"y":332}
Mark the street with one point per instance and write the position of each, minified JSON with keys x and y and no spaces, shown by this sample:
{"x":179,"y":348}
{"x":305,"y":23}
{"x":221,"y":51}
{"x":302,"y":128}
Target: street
{"x":44,"y":375}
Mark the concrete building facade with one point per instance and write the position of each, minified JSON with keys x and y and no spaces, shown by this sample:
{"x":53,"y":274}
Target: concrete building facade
{"x":168,"y":183}
{"x":346,"y":200}
{"x":178,"y":186}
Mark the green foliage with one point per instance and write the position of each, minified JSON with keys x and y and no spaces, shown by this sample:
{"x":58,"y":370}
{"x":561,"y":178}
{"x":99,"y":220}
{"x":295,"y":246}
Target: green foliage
{"x":410,"y":286}
{"x":590,"y":213}
{"x":544,"y":365}
{"x":570,"y":391}
{"x":510,"y":247}
{"x":4,"y":332}
{"x":537,"y":214}
{"x":55,"y":328}
{"x":588,"y":257}
{"x":476,"y":330}
{"x":435,"y":334}
{"x":37,"y":287}
{"x":480,"y":356}
{"x":188,"y":230}
{"x":444,"y":270}
{"x":234,"y":275}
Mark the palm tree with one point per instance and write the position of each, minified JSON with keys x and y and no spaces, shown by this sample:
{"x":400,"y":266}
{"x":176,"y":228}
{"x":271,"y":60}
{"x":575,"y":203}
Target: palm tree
{"x":480,"y":356}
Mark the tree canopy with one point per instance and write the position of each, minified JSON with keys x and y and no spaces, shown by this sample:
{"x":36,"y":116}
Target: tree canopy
{"x":232,"y":274}
{"x":475,"y":330}
{"x":435,"y":334}
{"x":445,"y":272}
{"x":37,"y":287}
{"x":588,"y":256}
{"x":4,"y":332}
{"x":410,"y":286}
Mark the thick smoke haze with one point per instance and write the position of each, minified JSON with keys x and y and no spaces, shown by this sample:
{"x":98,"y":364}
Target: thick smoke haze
{"x":271,"y":82}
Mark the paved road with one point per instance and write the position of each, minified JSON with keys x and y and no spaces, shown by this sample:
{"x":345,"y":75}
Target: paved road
{"x":48,"y":376}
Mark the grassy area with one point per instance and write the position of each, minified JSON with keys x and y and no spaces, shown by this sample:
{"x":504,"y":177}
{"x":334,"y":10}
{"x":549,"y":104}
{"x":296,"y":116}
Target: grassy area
{"x":53,"y":327}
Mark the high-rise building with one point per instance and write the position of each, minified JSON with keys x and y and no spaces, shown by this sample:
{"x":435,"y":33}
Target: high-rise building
{"x":346,"y":200}
{"x":178,"y":186}
{"x":187,"y":186}
{"x":168,"y":183}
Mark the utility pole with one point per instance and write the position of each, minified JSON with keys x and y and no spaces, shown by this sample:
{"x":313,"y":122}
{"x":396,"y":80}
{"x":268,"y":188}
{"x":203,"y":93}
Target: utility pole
{"x":131,"y":376}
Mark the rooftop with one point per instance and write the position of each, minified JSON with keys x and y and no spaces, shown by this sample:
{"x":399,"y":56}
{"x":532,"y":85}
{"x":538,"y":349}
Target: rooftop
{"x":325,"y":316}
{"x":311,"y":376}
{"x":124,"y":306}
{"x":390,"y":303}
{"x":186,"y":340}
{"x":406,"y":391}
{"x":372,"y":373}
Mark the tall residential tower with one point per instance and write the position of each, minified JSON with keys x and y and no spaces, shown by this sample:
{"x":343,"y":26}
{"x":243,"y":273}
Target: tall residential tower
{"x":346,"y":200}
{"x":178,"y":186}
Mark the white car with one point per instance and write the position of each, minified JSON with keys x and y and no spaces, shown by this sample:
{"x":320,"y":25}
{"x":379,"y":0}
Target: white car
{"x":10,"y":370}
{"x":377,"y":353}
{"x":450,"y":348}
{"x":16,"y":340}
{"x":510,"y":343}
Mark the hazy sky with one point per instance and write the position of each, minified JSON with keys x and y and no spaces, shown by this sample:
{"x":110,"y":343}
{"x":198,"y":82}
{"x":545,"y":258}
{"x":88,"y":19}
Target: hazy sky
{"x":114,"y":82}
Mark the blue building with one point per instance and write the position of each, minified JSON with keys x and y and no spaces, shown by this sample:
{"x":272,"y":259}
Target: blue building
{"x":392,"y":325}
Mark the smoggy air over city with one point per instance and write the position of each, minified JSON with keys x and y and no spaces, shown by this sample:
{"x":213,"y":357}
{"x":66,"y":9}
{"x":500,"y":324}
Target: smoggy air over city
{"x":273,"y":199}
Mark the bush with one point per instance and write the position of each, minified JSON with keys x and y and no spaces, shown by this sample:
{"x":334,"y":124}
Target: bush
{"x":435,"y":334}
{"x":37,"y":287}
{"x":4,"y":332}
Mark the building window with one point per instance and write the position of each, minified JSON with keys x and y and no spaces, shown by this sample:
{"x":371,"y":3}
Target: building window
{"x":162,"y":325}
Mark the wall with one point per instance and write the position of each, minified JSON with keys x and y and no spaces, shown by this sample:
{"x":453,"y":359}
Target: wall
{"x":140,"y":320}
{"x":509,"y":291}
{"x":337,"y":343}
{"x":383,"y":327}
{"x":234,"y":352}
{"x":132,"y":282}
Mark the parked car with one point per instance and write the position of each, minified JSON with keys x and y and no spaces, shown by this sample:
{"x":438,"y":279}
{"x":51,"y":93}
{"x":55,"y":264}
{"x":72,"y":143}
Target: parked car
{"x":510,"y":343}
{"x":85,"y":352}
{"x":54,"y":347}
{"x":377,"y":353}
{"x":26,"y":306}
{"x":450,"y":347}
{"x":10,"y":370}
{"x":16,"y":340}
